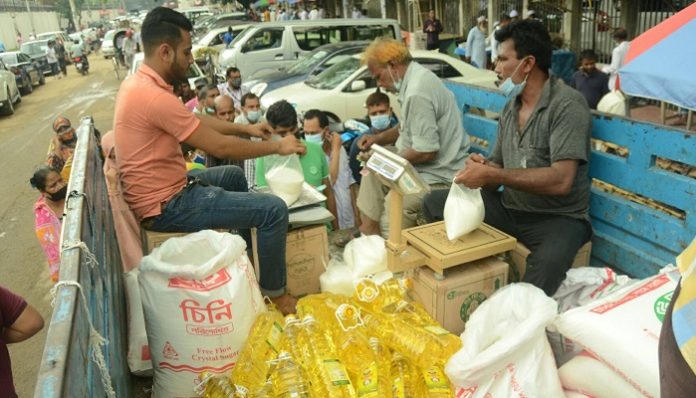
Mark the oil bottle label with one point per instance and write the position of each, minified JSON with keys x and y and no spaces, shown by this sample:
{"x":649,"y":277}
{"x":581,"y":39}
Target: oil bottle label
{"x":436,"y":330}
{"x":435,"y":380}
{"x":336,"y":371}
{"x":368,"y":380}
{"x":274,"y":336}
{"x":398,"y":388}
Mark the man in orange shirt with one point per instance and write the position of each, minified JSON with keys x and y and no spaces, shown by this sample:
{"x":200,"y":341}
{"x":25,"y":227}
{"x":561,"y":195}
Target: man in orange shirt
{"x":149,"y":125}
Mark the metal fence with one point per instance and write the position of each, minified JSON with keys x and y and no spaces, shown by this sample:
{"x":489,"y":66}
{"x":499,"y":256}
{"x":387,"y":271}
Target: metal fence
{"x":89,"y":291}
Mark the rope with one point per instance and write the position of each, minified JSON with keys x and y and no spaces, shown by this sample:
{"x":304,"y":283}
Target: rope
{"x":96,"y":341}
{"x":90,"y":259}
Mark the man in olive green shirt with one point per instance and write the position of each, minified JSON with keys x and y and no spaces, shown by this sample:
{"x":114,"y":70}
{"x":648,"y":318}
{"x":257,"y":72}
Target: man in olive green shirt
{"x":541,"y":158}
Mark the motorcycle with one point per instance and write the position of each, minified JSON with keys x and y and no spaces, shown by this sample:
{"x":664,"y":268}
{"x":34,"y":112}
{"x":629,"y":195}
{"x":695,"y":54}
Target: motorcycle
{"x":81,"y":65}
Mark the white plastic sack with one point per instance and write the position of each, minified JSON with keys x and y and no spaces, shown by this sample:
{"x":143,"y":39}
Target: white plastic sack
{"x":139,"y":360}
{"x":284,"y":176}
{"x":622,"y":330}
{"x":464,"y":211}
{"x":581,"y":286}
{"x":366,"y":255}
{"x":586,"y":375}
{"x":337,"y":279}
{"x":505,"y":352}
{"x":200,"y":299}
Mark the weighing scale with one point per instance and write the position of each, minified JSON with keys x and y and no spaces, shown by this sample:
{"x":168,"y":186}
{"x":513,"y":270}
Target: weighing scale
{"x":427,"y":244}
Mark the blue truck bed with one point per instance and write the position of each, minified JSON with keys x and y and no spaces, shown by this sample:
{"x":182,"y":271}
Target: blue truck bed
{"x":642,"y":214}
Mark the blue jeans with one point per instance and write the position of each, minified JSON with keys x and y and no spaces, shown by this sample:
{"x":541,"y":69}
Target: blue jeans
{"x":218,"y":198}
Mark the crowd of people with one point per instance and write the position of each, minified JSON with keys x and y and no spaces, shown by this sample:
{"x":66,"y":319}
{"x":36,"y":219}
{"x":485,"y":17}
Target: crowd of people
{"x":185,"y":159}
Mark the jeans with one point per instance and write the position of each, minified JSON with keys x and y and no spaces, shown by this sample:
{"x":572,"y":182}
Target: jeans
{"x":553,"y":240}
{"x":217,"y":198}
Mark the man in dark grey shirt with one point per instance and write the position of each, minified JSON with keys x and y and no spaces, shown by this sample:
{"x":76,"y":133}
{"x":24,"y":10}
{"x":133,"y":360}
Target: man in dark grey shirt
{"x":590,"y":81}
{"x":540,"y":158}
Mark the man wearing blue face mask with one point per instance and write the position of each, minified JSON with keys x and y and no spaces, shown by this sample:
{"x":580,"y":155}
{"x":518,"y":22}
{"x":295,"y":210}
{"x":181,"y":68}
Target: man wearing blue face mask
{"x":541,"y":158}
{"x":383,"y":131}
{"x":251,"y":114}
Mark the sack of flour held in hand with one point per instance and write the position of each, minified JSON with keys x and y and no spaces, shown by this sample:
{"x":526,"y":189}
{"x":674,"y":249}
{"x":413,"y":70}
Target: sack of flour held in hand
{"x":464,"y":211}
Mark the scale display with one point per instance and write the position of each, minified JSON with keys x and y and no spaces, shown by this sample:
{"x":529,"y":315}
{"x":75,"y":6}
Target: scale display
{"x":396,"y":172}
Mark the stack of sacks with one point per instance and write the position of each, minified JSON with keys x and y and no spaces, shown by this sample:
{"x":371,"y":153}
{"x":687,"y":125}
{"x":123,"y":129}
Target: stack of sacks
{"x":365,"y":257}
{"x":581,"y":286}
{"x":620,"y":334}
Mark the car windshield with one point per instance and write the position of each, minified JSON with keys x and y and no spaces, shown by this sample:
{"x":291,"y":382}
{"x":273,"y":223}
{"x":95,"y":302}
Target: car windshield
{"x":9,"y":59}
{"x":334,"y":75}
{"x":307,"y":63}
{"x":239,"y":36}
{"x":34,"y":48}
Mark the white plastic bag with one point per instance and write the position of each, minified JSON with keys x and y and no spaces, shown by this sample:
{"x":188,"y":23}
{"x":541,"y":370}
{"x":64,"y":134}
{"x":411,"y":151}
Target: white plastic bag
{"x":139,"y":360}
{"x":586,"y":375}
{"x":284,"y":176}
{"x":464,"y":211}
{"x":622,"y":329}
{"x":337,"y":279}
{"x":505,"y":352}
{"x":200,"y":299}
{"x":366,"y":255}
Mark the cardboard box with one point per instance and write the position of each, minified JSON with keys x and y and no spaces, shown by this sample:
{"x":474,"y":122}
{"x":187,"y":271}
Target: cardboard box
{"x":452,"y":300}
{"x":441,"y":253}
{"x":306,"y":256}
{"x":518,"y":260}
{"x":152,"y":239}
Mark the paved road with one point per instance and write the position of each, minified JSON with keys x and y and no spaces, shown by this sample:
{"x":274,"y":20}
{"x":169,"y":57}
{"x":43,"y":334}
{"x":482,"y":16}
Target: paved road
{"x":24,"y":139}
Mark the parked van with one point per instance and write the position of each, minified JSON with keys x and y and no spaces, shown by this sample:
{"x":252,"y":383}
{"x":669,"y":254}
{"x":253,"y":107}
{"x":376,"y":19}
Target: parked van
{"x":273,"y":45}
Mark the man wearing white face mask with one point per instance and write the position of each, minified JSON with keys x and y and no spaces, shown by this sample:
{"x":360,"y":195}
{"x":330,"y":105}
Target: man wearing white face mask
{"x":430,"y":136}
{"x":541,"y":157}
{"x":251,"y":114}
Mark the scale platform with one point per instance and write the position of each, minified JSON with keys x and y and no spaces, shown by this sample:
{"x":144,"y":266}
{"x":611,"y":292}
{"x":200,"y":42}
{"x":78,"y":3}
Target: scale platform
{"x":440,"y":253}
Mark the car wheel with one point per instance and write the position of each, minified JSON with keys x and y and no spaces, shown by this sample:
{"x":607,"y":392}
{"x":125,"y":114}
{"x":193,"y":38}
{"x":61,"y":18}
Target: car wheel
{"x":8,"y":108}
{"x":28,"y":87}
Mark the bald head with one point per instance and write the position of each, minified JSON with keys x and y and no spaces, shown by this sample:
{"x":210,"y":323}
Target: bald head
{"x":224,"y":107}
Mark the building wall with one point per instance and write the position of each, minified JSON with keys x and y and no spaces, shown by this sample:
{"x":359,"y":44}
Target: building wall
{"x":10,"y":22}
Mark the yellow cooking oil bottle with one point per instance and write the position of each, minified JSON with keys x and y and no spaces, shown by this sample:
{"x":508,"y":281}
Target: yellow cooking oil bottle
{"x":434,"y":383}
{"x":383,"y":356}
{"x":412,"y":341}
{"x":266,"y":391}
{"x":415,"y":315}
{"x":213,"y":386}
{"x":380,"y":297}
{"x":325,"y":363}
{"x":355,"y":352}
{"x":321,"y":306}
{"x":404,"y":383}
{"x":288,"y":378}
{"x":262,"y":345}
{"x":292,"y":343}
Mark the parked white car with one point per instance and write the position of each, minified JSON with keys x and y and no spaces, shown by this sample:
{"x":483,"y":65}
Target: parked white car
{"x":213,"y":39}
{"x":194,"y":72}
{"x":9,"y":93}
{"x":344,"y":87}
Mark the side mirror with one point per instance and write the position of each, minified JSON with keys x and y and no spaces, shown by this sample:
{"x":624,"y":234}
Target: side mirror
{"x":357,"y":85}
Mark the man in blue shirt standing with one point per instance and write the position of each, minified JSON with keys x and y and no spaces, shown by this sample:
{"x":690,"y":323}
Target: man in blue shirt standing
{"x":592,"y":83}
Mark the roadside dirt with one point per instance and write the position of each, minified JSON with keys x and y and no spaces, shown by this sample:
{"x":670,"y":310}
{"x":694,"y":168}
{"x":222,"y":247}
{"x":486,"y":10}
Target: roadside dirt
{"x":25,"y":137}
